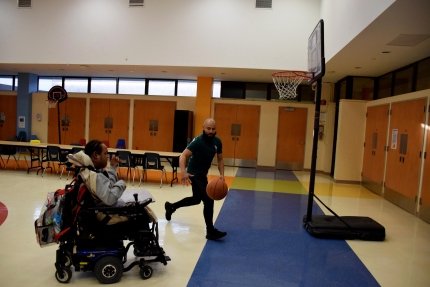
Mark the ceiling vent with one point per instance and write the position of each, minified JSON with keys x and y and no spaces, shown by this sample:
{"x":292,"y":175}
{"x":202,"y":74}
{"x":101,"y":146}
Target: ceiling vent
{"x":408,"y":40}
{"x":135,"y":3}
{"x":24,"y":3}
{"x":263,"y":3}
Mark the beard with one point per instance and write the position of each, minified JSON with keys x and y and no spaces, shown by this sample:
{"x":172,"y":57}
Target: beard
{"x":208,"y":137}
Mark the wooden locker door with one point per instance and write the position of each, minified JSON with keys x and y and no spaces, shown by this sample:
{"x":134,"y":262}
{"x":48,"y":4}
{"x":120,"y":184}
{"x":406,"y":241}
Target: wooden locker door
{"x":225,"y":117}
{"x":73,"y":121}
{"x":424,"y":212}
{"x":119,"y":111}
{"x":153,"y":125}
{"x":374,"y":149}
{"x":246,"y":148}
{"x":291,"y":140}
{"x":403,"y":159}
{"x":99,"y":111}
{"x":8,"y":110}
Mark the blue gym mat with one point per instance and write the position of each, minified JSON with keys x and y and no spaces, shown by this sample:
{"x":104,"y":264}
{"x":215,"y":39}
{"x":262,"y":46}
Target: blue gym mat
{"x":267,"y":246}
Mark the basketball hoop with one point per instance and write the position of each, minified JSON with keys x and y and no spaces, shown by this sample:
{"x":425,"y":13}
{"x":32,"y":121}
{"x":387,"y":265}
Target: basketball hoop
{"x":56,"y":95}
{"x":287,"y":82}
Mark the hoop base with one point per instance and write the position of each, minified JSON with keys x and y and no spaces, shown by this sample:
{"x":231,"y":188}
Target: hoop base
{"x":287,"y":82}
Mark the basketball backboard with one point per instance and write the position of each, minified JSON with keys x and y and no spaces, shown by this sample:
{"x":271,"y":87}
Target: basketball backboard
{"x":316,"y":59}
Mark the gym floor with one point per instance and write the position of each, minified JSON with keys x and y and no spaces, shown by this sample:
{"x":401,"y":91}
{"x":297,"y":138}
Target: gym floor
{"x":266,"y":244}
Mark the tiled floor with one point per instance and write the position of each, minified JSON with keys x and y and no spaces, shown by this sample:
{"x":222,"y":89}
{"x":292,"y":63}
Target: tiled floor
{"x":403,"y":259}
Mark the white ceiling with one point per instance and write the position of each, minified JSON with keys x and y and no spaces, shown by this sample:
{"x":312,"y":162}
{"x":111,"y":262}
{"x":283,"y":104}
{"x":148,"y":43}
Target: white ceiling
{"x":401,"y":24}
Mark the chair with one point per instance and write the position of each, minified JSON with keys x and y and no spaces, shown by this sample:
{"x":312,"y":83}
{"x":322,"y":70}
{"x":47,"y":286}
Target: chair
{"x":52,"y":155}
{"x":120,"y":143}
{"x":152,"y":161}
{"x":34,"y":158}
{"x":9,"y":151}
{"x":137,"y":161}
{"x":124,"y":160}
{"x":22,"y":136}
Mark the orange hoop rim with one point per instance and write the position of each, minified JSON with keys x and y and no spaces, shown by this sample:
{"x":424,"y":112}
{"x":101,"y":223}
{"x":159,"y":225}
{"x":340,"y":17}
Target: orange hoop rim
{"x":307,"y":76}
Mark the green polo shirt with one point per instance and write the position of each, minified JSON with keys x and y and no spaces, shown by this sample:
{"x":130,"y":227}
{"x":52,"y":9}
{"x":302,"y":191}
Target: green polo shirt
{"x":203,"y":154}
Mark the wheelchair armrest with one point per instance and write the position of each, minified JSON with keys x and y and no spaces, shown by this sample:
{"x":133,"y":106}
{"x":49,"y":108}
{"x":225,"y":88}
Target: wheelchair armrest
{"x":128,"y":209}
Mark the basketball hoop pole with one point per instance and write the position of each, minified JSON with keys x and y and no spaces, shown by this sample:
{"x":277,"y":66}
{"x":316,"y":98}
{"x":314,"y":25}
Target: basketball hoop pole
{"x":58,"y":122}
{"x":56,"y":95}
{"x":314,"y":150}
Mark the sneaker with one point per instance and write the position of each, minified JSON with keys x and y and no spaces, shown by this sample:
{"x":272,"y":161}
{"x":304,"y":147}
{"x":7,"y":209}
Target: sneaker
{"x":215,"y":234}
{"x":169,"y":210}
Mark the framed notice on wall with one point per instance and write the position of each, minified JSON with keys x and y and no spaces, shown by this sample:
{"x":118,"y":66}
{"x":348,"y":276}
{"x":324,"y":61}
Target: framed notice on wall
{"x":394,"y":136}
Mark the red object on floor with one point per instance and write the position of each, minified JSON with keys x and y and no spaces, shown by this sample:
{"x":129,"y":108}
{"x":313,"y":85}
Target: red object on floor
{"x":3,"y":213}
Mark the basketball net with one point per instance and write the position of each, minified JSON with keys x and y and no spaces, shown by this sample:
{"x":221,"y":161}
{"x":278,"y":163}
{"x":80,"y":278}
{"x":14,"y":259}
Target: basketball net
{"x":52,"y":104}
{"x":287,"y":82}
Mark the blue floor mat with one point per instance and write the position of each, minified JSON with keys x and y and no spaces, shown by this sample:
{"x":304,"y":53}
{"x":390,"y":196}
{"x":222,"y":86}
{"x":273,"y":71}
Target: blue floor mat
{"x":266,"y":246}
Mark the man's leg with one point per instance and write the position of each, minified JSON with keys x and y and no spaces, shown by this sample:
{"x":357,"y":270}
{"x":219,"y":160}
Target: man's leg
{"x":187,"y":201}
{"x":208,"y":209}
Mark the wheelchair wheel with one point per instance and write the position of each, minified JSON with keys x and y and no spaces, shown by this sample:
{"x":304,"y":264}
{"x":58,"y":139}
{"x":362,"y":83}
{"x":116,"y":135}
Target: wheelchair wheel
{"x":108,"y":269}
{"x":64,"y":275}
{"x":145,"y":272}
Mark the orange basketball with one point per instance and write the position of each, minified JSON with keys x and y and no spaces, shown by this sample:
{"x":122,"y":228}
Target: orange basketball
{"x":217,"y":189}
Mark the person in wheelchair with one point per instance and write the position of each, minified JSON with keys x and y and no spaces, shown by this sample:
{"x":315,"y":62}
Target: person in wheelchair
{"x":114,"y":219}
{"x":101,"y":215}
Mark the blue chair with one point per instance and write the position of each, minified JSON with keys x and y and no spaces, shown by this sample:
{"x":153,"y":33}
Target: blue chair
{"x":120,"y":144}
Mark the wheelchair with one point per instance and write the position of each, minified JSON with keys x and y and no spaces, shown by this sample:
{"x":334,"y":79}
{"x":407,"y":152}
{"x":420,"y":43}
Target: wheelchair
{"x":88,"y":244}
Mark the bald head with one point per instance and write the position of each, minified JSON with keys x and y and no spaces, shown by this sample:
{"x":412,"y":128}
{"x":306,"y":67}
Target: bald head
{"x":209,"y":127}
{"x":209,"y":122}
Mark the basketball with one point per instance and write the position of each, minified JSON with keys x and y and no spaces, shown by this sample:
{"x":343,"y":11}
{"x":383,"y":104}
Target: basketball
{"x":217,"y":189}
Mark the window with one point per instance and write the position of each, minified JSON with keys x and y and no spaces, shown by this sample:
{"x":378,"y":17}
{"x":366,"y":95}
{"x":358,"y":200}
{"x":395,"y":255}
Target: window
{"x":216,"y":89}
{"x":187,"y":88}
{"x":15,"y":83}
{"x":384,"y":86}
{"x":131,"y":86}
{"x":343,"y":90}
{"x":76,"y":85}
{"x":403,"y":81}
{"x":256,"y":91}
{"x":161,"y":87}
{"x":305,"y":93}
{"x":103,"y":85}
{"x":6,"y":83}
{"x":362,"y":88}
{"x":274,"y":93}
{"x":232,"y":90}
{"x":423,"y":75}
{"x":46,"y":83}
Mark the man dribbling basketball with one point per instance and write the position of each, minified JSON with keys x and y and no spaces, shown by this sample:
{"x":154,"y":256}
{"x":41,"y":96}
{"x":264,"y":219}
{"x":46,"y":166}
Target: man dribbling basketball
{"x":200,"y":153}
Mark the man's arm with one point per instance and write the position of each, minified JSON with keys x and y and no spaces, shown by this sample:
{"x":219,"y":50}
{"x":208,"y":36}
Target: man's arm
{"x":183,"y":165}
{"x":220,"y":161}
